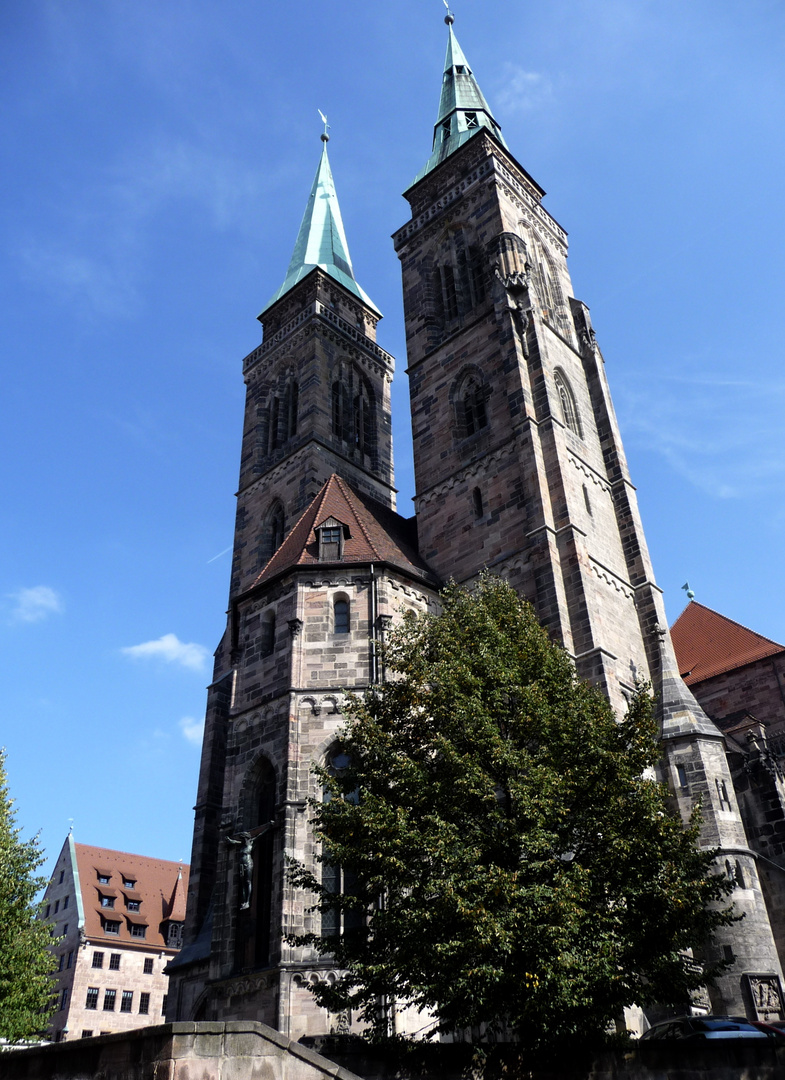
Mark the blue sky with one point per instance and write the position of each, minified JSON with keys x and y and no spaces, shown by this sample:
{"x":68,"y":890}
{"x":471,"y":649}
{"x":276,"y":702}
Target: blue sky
{"x":158,"y":156}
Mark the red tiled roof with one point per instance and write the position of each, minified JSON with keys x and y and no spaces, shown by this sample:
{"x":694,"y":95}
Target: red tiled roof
{"x":377,"y":534}
{"x":159,"y":886}
{"x":709,"y":644}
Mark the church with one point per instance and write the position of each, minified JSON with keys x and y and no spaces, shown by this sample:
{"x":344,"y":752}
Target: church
{"x":519,"y":468}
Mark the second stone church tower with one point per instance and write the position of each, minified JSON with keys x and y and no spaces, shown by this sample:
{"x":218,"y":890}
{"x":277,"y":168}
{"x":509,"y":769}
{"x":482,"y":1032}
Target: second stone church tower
{"x":519,"y":467}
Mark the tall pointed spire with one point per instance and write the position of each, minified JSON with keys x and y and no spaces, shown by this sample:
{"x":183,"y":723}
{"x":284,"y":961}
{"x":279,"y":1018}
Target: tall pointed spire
{"x":321,"y":240}
{"x":463,"y":109}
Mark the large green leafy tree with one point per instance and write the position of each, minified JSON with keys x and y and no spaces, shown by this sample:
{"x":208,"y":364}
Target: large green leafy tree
{"x":500,"y":828}
{"x":26,"y":963}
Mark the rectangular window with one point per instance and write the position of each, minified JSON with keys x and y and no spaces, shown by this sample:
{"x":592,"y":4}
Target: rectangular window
{"x":57,"y":906}
{"x":128,"y":883}
{"x":111,"y":927}
{"x":163,"y":1004}
{"x":107,"y":901}
{"x":87,"y":1033}
{"x":103,"y":879}
{"x":62,"y":962}
{"x":92,"y":998}
{"x":127,"y":1000}
{"x":114,"y":961}
{"x":109,"y":1000}
{"x":65,"y":929}
{"x":65,"y":903}
{"x":138,"y":930}
{"x":144,"y":1003}
{"x":132,"y":905}
{"x":62,"y":875}
{"x":70,"y":959}
{"x":48,"y":909}
{"x":64,"y":998}
{"x":148,"y":966}
{"x":98,"y":959}
{"x":681,"y":774}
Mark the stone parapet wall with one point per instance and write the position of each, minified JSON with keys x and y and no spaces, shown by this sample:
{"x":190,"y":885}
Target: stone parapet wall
{"x":206,"y":1051}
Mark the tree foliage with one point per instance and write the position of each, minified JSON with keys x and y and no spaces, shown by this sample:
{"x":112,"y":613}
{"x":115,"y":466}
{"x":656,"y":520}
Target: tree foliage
{"x":26,"y":964}
{"x":517,"y":863}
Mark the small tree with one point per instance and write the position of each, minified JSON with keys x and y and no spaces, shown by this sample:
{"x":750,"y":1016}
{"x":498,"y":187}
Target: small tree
{"x":26,"y":964}
{"x":517,"y":865}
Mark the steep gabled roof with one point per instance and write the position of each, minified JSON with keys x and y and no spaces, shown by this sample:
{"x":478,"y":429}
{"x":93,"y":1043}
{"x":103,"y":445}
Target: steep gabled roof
{"x":708,"y":644}
{"x":376,"y":533}
{"x":159,"y":890}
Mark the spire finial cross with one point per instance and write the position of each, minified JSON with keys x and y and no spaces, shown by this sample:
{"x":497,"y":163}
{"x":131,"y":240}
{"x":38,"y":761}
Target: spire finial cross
{"x":449,"y":18}
{"x":324,"y":136}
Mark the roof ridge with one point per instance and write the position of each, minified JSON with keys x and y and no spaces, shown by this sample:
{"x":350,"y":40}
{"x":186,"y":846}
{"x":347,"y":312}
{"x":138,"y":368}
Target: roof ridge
{"x":727,"y":619}
{"x":350,"y":498}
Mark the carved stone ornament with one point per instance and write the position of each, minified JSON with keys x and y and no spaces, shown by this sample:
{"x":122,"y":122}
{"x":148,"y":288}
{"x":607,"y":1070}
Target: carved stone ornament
{"x":295,"y":627}
{"x":342,"y":1024}
{"x":766,"y":994}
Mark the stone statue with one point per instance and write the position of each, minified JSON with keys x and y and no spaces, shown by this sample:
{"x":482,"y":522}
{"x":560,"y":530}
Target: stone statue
{"x":245,"y":842}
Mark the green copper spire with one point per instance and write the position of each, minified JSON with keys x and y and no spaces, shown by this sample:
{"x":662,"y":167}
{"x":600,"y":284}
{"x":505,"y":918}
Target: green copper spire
{"x":463,"y":109}
{"x":321,"y":240}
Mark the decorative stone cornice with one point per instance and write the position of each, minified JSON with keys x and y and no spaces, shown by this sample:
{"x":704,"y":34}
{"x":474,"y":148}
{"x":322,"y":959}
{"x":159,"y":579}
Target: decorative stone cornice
{"x":590,"y":473}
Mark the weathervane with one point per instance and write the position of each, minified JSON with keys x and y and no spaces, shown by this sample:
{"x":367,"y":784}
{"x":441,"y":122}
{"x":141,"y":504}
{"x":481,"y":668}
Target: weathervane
{"x":325,"y":136}
{"x":449,"y":18}
{"x":688,"y":590}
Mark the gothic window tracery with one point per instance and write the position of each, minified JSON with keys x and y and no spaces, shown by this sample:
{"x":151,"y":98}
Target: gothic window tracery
{"x":569,"y":407}
{"x":273,"y":531}
{"x":281,"y":413}
{"x":470,"y":397}
{"x":353,"y":410}
{"x":458,"y":280}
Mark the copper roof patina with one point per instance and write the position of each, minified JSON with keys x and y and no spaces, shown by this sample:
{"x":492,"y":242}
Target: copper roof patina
{"x":463,"y":110}
{"x":321,"y":241}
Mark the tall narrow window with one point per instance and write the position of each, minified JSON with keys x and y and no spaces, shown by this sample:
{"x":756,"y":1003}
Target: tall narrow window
{"x":569,"y":408}
{"x":477,"y":502}
{"x":338,"y":921}
{"x":291,"y":404}
{"x":341,"y":616}
{"x":475,"y":416}
{"x":739,"y":875}
{"x":267,"y":643}
{"x":722,"y":795}
{"x":274,"y":417}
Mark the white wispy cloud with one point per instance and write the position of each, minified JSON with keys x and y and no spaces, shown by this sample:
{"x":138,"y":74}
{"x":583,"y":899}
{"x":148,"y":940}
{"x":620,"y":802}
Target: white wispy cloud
{"x":171,"y":650}
{"x":33,"y":605}
{"x":520,"y":90}
{"x":722,"y":434}
{"x":192,"y":730}
{"x":75,"y":276}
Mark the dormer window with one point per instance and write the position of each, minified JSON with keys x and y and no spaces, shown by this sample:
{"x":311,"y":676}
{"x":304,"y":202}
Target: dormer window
{"x":460,"y":69}
{"x":445,"y":130}
{"x":471,"y":120}
{"x":331,"y":535}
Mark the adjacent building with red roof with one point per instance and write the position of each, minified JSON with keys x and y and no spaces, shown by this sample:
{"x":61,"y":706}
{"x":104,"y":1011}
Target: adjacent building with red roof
{"x":733,"y":671}
{"x":117,"y":920}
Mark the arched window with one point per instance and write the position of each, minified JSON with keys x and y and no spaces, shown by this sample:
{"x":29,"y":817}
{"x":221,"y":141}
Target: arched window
{"x":341,"y":616}
{"x":273,"y":532}
{"x":475,"y":416}
{"x":291,"y":404}
{"x":267,"y":641}
{"x":569,"y":408}
{"x":335,"y":920}
{"x":253,"y":927}
{"x":353,"y":410}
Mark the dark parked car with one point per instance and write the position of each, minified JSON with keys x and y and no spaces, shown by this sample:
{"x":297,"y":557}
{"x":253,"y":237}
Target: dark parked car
{"x":694,"y":1028}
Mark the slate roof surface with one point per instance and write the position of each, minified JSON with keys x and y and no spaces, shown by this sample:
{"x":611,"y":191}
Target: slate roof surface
{"x":160,"y":889}
{"x":709,"y":644}
{"x":377,"y":534}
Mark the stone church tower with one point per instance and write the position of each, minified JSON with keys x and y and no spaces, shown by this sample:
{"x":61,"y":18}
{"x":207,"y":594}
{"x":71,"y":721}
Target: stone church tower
{"x":519,"y":467}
